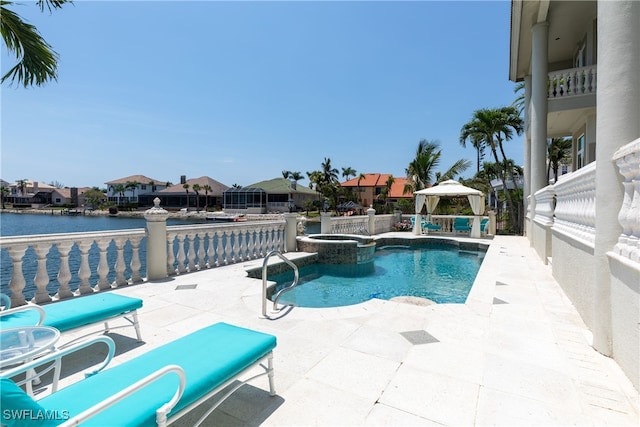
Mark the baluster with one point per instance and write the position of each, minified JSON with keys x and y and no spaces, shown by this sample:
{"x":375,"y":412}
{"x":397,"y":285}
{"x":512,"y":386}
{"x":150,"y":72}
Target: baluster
{"x":234,"y":246}
{"x":181,"y":255}
{"x":551,"y":86}
{"x":202,"y":262}
{"x":191,"y":253}
{"x":120,"y":266}
{"x":84,"y":273}
{"x":17,"y":282}
{"x":135,"y":259}
{"x":250,"y":244}
{"x":241,"y":254}
{"x":226,"y":248}
{"x":209,"y":250}
{"x":171,"y":259}
{"x":594,"y":80}
{"x":64,"y":274}
{"x":219,"y":248}
{"x":42,"y":277}
{"x":103,"y":265}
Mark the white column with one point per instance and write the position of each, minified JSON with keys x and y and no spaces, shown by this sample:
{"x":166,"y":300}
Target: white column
{"x":616,"y":124}
{"x":538,"y":179}
{"x":372,"y":220}
{"x":290,"y":232}
{"x":156,"y":241}
{"x":527,"y":143}
{"x":325,"y":222}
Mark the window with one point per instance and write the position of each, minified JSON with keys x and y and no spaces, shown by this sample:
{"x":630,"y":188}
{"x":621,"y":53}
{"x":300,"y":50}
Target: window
{"x":580,"y":152}
{"x":143,"y":187}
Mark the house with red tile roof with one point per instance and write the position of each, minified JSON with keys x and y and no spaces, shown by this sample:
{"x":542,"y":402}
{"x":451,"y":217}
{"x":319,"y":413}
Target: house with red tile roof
{"x":371,"y":185}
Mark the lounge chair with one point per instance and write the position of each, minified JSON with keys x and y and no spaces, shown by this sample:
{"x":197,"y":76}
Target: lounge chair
{"x":157,"y":387}
{"x":484,"y":225}
{"x":461,"y":225}
{"x":75,"y":313}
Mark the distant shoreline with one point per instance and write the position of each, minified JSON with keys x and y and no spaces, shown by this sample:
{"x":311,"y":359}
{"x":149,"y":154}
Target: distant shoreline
{"x":202,"y":215}
{"x":98,"y":212}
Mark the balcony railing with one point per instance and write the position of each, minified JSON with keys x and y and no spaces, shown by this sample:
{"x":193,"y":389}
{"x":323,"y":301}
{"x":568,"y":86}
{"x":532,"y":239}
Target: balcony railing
{"x":572,"y":82}
{"x":575,"y":211}
{"x":627,"y":159}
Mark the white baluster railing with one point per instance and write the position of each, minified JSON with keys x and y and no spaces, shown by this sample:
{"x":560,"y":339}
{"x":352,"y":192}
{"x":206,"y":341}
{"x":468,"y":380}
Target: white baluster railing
{"x":575,"y":212}
{"x":627,"y":159}
{"x":349,"y":224}
{"x":80,"y":256}
{"x":572,"y":82}
{"x":544,"y":210}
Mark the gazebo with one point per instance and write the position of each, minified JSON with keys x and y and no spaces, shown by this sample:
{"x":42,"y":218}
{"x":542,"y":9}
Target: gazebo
{"x":451,"y":188}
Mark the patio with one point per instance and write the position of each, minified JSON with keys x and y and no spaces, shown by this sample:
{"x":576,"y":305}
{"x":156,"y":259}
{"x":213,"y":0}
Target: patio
{"x":516,"y":353}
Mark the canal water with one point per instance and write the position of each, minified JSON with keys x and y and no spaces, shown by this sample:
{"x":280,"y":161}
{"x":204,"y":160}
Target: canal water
{"x":32,"y":224}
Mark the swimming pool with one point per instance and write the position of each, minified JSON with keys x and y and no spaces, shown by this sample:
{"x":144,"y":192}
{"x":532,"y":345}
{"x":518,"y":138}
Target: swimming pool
{"x":440,"y":273}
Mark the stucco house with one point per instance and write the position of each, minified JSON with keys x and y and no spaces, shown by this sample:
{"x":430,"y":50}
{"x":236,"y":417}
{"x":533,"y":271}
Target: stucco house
{"x":371,"y":185}
{"x":69,"y":197}
{"x":274,"y":195}
{"x":128,"y":189}
{"x":580,"y":63}
{"x":176,"y":196}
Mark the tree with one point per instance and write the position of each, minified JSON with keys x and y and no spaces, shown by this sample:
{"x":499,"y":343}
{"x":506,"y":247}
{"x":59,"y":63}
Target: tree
{"x":119,"y":189}
{"x":37,"y":61}
{"x":296,"y":176}
{"x":132,"y":186}
{"x":518,"y":103}
{"x":21,"y":184}
{"x":421,"y":172}
{"x":196,"y":189}
{"x":94,"y":197}
{"x":347,"y":172}
{"x":186,"y":188}
{"x":558,"y":152}
{"x":387,"y":190}
{"x":285,"y":174}
{"x":4,"y":192}
{"x":494,"y":126}
{"x":207,"y":189}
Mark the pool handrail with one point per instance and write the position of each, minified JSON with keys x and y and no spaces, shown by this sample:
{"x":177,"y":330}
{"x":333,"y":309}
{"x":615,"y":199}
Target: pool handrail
{"x":296,"y":276}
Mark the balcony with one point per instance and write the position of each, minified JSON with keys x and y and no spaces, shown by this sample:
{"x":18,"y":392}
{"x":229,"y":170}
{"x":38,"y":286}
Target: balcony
{"x":572,"y":82}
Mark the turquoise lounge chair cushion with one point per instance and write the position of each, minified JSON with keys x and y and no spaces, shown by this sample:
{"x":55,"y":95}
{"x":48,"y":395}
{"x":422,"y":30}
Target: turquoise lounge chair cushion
{"x":19,"y":409}
{"x":210,"y":357}
{"x":75,"y":312}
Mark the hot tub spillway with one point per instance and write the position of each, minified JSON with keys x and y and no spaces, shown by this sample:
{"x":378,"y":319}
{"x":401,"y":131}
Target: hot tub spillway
{"x":339,"y":248}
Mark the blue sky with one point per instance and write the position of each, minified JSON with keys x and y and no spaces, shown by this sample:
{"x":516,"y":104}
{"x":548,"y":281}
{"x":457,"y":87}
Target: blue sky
{"x":240,"y":91}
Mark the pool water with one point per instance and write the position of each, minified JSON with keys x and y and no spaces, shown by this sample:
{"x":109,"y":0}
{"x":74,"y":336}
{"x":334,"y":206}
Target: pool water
{"x":442,"y":274}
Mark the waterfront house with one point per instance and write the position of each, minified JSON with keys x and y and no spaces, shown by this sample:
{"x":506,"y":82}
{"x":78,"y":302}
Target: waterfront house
{"x":580,"y":64}
{"x":128,"y":189}
{"x":274,"y":195}
{"x":177,"y":196}
{"x":69,"y":196}
{"x":30,"y":194}
{"x":371,"y":186}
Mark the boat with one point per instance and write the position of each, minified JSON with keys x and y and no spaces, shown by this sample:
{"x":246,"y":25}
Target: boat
{"x":226,"y":217}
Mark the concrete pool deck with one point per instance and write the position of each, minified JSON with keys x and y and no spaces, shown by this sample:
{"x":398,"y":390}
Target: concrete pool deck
{"x":516,"y":353}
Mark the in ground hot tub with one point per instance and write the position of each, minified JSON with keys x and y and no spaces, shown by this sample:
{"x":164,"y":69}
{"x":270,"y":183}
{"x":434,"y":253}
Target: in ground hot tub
{"x":339,"y":248}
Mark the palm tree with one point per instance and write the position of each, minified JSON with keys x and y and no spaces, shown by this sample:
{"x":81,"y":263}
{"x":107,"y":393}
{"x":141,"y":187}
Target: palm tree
{"x":285,"y":174}
{"x":119,"y":189}
{"x":21,"y":184}
{"x":478,"y":143}
{"x":296,"y":176}
{"x":518,"y":103}
{"x":206,"y":189}
{"x":495,"y":126}
{"x":558,"y":152}
{"x":186,"y":188}
{"x":132,"y":186}
{"x":329,"y":173}
{"x":421,"y":171}
{"x":387,"y":190}
{"x":347,"y":172}
{"x":196,"y":189}
{"x":360,"y":178}
{"x":4,"y":192}
{"x":37,"y":62}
